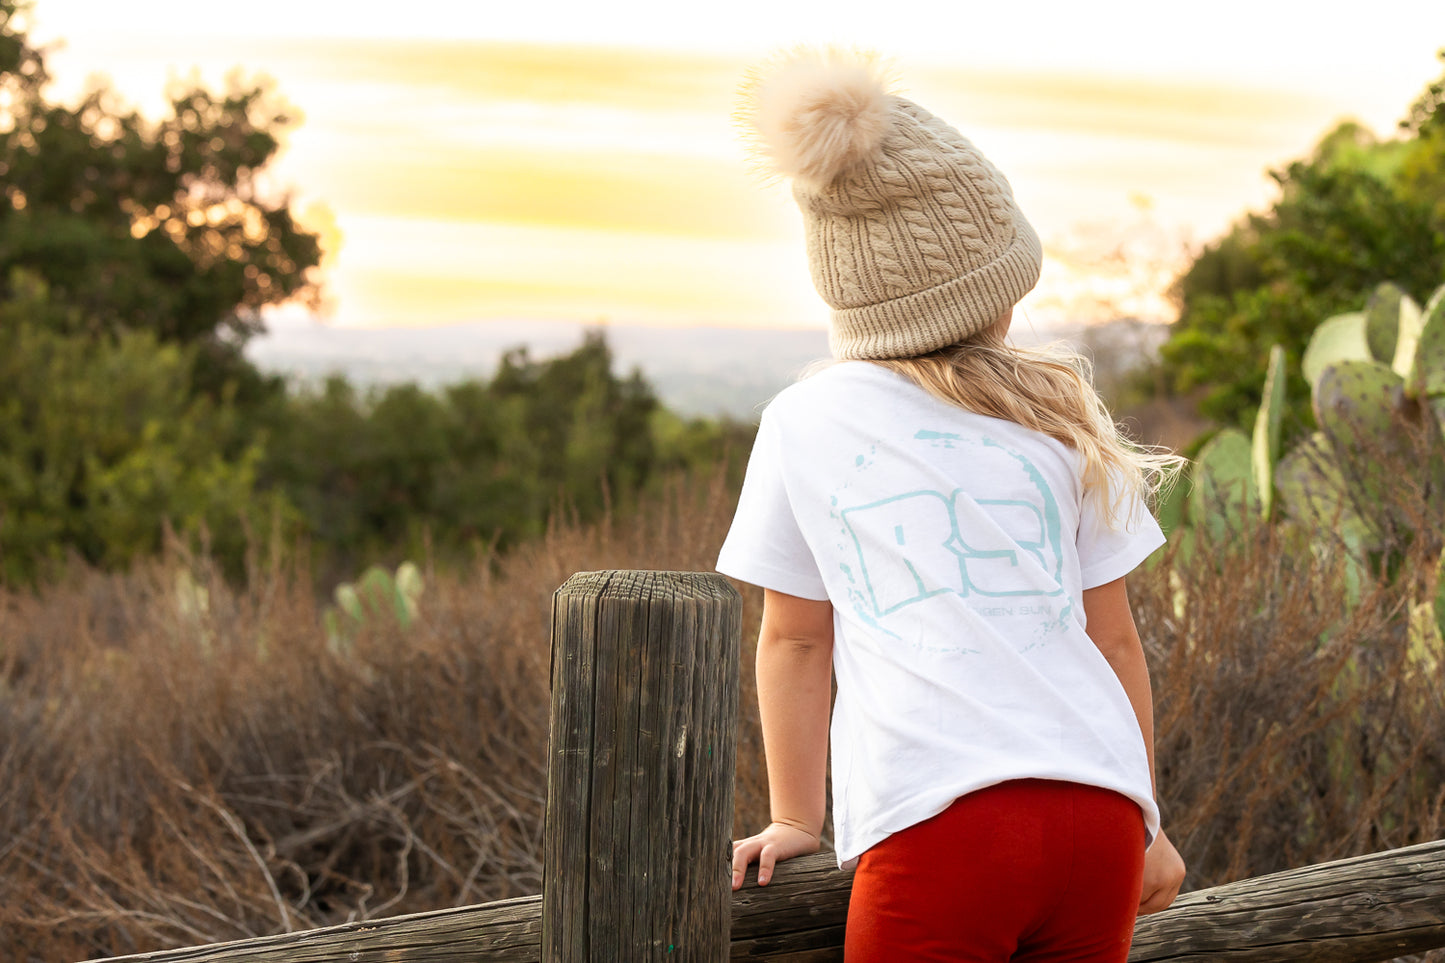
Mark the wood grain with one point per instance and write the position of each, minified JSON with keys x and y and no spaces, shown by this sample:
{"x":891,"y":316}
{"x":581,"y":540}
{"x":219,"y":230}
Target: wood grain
{"x":1375,"y":907}
{"x":1360,"y":910}
{"x":639,"y":794}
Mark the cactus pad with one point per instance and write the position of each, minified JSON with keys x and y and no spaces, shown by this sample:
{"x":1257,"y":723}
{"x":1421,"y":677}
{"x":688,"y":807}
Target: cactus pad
{"x":1358,"y":404}
{"x":375,"y":594}
{"x":1355,"y":401}
{"x":349,"y":602}
{"x":1412,"y":323}
{"x":1382,"y":321}
{"x":1426,"y":376}
{"x":1173,"y":499}
{"x":1312,"y":490}
{"x":1224,"y":485}
{"x":1440,"y":595}
{"x":1341,"y":338}
{"x":1266,"y":431}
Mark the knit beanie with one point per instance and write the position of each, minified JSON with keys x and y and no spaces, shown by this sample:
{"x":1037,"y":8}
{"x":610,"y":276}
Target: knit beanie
{"x":914,"y":238}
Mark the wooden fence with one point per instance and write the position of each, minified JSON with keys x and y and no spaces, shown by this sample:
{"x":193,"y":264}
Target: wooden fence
{"x":639,"y":809}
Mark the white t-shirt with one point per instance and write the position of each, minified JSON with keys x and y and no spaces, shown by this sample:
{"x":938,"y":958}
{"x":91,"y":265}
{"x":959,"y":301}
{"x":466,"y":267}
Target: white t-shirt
{"x":955,"y":549}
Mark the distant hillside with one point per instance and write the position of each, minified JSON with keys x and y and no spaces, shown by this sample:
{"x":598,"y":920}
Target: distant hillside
{"x":695,"y":371}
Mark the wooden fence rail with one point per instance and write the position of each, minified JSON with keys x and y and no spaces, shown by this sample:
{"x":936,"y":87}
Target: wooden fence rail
{"x":1357,"y":910}
{"x":639,"y":809}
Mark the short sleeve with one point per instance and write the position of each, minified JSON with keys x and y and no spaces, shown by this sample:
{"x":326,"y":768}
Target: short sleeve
{"x":765,"y":546}
{"x":1108,"y":553}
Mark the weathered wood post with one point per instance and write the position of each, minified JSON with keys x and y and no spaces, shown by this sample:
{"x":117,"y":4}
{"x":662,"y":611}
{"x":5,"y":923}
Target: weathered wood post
{"x":640,"y":768}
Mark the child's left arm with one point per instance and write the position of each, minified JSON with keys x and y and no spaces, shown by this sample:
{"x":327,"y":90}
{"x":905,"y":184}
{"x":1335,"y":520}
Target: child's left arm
{"x":794,"y":664}
{"x":1111,"y":627}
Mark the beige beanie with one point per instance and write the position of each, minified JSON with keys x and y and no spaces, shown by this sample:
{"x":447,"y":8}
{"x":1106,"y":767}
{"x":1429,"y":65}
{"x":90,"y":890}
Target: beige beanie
{"x":914,"y":238}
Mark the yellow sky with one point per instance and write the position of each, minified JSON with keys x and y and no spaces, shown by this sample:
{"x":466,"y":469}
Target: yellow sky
{"x":577,"y":161}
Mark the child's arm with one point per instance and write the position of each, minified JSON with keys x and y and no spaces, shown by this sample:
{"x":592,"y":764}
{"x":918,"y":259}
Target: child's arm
{"x":1111,"y":626}
{"x":795,"y":666}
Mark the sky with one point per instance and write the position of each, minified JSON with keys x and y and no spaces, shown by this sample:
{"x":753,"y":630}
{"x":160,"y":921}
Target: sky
{"x":577,"y":160}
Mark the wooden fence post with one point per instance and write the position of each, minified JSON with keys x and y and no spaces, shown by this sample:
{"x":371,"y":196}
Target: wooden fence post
{"x":640,"y":768}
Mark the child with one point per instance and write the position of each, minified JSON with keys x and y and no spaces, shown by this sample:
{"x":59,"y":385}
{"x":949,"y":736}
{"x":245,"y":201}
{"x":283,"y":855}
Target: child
{"x":944,"y":521}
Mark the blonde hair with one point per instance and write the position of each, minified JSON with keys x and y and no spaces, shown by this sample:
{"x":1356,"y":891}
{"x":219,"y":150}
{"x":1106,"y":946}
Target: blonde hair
{"x":1047,"y":389}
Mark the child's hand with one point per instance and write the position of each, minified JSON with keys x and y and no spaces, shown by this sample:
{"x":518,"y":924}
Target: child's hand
{"x":1163,"y":875}
{"x":779,"y":841}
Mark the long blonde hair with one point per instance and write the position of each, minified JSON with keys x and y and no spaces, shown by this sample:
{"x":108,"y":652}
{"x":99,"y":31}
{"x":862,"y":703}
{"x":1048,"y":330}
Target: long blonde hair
{"x":1047,"y":389}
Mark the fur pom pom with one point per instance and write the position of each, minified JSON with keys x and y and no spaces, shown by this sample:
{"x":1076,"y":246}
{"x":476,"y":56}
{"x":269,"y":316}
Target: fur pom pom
{"x":815,"y":116}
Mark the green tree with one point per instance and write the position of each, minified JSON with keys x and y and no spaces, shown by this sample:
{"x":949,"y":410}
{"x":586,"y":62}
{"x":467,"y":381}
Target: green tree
{"x":480,"y":463}
{"x":589,"y":428}
{"x":135,"y":259}
{"x":1422,"y":172}
{"x":159,"y":226}
{"x":1357,"y":212}
{"x":102,"y":445}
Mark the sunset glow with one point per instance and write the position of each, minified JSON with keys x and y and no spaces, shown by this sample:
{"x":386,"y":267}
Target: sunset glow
{"x":469,"y":167}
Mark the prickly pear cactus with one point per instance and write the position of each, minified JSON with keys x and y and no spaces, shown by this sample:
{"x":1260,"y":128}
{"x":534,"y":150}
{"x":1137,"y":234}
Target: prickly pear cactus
{"x":1390,"y":330}
{"x":1313,"y":492}
{"x":381,"y":591}
{"x":376,"y":594}
{"x":1412,"y":323}
{"x":1224,"y":486}
{"x":1264,"y":453}
{"x":348,"y":601}
{"x":1356,"y":404}
{"x":409,"y":587}
{"x":1382,"y":321}
{"x":1356,"y":400}
{"x":1440,"y":595}
{"x":1363,"y":480}
{"x":1340,"y":338}
{"x":1173,"y":504}
{"x":1425,"y":376}
{"x":1232,"y":473}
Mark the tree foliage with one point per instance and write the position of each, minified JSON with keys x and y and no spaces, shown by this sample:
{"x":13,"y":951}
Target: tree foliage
{"x":103,"y":444}
{"x":136,"y":257}
{"x":1357,"y":212}
{"x":161,"y":226}
{"x":482,"y":463}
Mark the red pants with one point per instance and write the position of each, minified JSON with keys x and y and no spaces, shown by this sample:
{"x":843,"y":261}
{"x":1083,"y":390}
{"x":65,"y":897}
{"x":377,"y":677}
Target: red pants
{"x":1027,"y":870}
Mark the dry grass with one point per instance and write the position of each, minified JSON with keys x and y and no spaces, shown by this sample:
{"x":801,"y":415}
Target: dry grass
{"x":175,"y":773}
{"x":1292,"y":728}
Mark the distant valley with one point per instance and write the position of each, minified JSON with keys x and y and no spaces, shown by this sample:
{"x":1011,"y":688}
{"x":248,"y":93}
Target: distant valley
{"x":704,"y":371}
{"x":695,"y":370}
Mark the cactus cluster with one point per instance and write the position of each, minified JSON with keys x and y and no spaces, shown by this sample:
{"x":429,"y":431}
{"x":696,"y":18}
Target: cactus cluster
{"x":376,"y":595}
{"x":1377,"y":378}
{"x":1234,"y":474}
{"x":1374,"y":375}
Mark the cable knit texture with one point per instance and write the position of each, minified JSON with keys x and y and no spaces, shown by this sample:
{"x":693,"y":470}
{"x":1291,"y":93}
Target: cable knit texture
{"x":914,"y":238}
